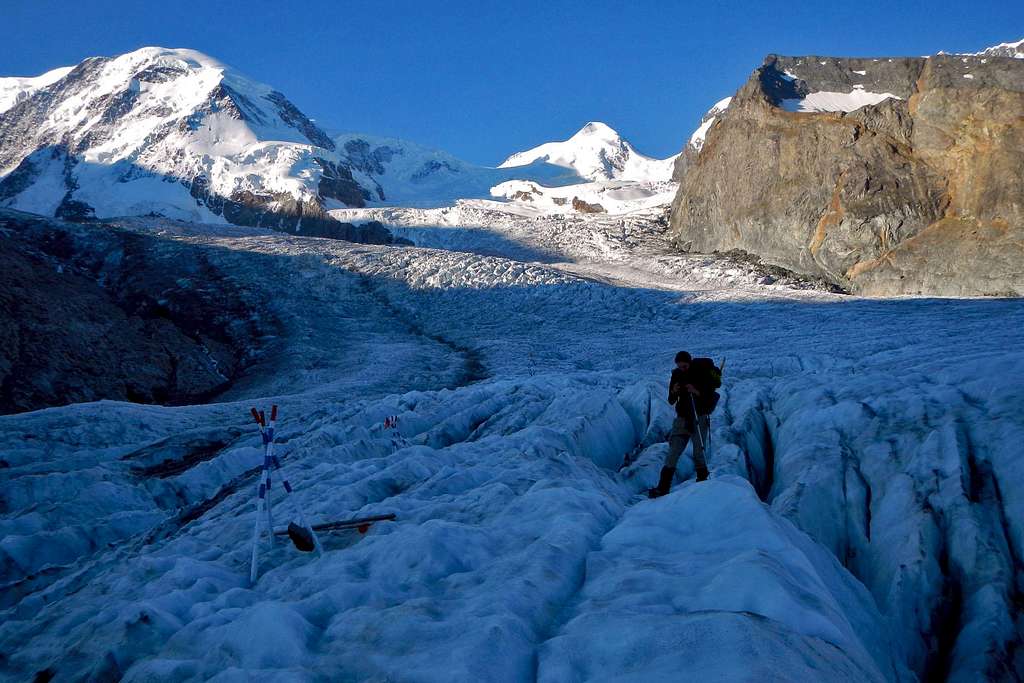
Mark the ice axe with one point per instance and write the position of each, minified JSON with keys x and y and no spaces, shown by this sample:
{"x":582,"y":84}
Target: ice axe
{"x":700,"y":436}
{"x":303,"y":539}
{"x":696,"y":423}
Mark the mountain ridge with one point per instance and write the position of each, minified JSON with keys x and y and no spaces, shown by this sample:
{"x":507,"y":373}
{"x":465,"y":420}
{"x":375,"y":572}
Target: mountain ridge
{"x":178,"y":133}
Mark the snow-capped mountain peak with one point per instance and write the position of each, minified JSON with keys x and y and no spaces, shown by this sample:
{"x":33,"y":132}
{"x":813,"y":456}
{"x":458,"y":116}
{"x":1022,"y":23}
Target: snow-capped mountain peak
{"x":178,"y":133}
{"x":169,"y":131}
{"x":596,"y":151}
{"x":599,"y":129}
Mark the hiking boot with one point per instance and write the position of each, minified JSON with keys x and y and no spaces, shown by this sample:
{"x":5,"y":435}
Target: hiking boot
{"x":664,"y":484}
{"x":702,"y":474}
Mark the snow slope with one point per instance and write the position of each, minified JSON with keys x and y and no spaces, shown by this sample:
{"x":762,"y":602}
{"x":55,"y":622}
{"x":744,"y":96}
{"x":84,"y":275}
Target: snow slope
{"x":862,"y":521}
{"x":599,"y":153}
{"x":410,"y":175}
{"x":14,"y":90}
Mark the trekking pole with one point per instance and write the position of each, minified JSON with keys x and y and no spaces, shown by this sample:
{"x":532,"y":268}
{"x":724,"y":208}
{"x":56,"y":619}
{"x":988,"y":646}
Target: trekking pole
{"x":696,"y":423}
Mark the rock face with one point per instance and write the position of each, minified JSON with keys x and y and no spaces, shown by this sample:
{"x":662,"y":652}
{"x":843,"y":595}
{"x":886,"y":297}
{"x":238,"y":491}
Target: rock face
{"x":586,"y":207}
{"x":94,"y":312}
{"x":885,"y":176}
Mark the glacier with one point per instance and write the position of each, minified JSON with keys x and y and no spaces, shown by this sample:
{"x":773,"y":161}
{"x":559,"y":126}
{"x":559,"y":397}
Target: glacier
{"x":862,"y":521}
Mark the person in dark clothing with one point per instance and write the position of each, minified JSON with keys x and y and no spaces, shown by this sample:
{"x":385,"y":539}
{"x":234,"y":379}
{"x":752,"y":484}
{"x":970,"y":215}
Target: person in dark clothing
{"x":691,"y":390}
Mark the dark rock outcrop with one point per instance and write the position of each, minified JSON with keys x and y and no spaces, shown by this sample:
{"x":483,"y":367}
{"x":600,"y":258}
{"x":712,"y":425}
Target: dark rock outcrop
{"x":337,"y":182}
{"x":921,"y":193}
{"x":370,"y":161}
{"x":431,"y":167}
{"x":586,"y":207}
{"x":284,"y":213}
{"x":89,"y":313}
{"x":291,"y":115}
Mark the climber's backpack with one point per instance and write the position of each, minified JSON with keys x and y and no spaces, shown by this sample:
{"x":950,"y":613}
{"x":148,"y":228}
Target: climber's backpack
{"x":710,"y":376}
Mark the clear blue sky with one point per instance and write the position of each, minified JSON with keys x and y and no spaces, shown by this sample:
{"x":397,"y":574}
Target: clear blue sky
{"x":484,"y":79}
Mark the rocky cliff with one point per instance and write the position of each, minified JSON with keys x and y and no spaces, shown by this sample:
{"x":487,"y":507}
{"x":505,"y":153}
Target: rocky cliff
{"x":885,"y":176}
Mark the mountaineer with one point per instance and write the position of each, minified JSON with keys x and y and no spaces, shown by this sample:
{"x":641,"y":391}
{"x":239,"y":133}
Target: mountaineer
{"x":692,"y":390}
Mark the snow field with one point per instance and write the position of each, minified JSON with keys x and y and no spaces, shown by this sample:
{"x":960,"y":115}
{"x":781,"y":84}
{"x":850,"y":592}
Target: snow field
{"x":824,"y":100}
{"x":614,"y":197}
